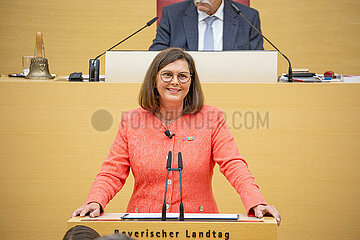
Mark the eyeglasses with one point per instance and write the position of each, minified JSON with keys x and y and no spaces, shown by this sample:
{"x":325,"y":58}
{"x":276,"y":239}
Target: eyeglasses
{"x":167,"y":76}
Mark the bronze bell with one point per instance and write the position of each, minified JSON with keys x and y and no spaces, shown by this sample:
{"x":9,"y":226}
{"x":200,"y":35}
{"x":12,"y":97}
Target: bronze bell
{"x":39,"y":66}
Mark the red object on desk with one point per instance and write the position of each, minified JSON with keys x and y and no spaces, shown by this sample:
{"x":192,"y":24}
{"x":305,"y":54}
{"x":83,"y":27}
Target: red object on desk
{"x":330,"y":74}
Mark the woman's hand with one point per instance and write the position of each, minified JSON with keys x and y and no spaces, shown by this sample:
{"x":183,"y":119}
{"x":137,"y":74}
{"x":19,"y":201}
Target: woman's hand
{"x":262,"y":210}
{"x":92,"y":208}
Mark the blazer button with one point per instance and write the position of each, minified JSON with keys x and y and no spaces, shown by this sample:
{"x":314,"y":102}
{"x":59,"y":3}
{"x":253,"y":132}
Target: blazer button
{"x":136,"y":210}
{"x":169,"y":181}
{"x":201,"y":208}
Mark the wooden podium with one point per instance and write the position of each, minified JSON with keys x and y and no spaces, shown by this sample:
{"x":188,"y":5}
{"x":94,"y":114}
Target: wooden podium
{"x":151,"y":230}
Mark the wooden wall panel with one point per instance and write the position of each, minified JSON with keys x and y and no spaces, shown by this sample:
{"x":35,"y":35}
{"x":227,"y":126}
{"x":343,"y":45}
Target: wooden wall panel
{"x":317,"y":34}
{"x":74,"y":31}
{"x":303,"y":153}
{"x":320,"y":35}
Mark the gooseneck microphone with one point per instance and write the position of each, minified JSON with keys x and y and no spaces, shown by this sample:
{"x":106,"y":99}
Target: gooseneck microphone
{"x":180,"y":167}
{"x":168,"y":162}
{"x":168,"y":167}
{"x":94,"y":64}
{"x":169,"y":134}
{"x":237,"y":10}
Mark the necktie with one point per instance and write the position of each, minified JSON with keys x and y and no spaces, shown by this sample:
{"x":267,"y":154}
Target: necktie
{"x":209,"y":34}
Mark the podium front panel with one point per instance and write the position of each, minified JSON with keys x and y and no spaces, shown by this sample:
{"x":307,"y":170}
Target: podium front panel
{"x":229,"y":66}
{"x":150,"y":230}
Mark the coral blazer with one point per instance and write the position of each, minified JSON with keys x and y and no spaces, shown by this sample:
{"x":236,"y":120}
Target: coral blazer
{"x":141,"y":145}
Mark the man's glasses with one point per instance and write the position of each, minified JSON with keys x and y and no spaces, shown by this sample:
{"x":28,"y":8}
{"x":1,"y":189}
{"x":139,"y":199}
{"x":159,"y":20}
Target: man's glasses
{"x":167,"y":76}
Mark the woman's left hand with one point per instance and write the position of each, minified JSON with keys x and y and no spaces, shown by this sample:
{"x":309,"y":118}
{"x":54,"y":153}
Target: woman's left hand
{"x":262,"y":210}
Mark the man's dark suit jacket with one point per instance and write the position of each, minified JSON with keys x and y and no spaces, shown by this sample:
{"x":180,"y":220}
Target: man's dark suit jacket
{"x":178,"y":27}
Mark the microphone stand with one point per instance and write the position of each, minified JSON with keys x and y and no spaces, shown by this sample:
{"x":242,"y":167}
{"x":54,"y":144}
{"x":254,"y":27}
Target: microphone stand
{"x":180,"y":167}
{"x":290,"y":73}
{"x":168,"y":167}
{"x":94,"y":64}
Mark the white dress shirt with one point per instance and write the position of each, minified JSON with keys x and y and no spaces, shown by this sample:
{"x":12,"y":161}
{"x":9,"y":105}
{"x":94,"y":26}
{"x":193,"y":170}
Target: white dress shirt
{"x":217,"y":28}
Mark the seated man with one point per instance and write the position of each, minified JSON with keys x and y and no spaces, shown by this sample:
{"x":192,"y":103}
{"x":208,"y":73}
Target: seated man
{"x":190,"y":24}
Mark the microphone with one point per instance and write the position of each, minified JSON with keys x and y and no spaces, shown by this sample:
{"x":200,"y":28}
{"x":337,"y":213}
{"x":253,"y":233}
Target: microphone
{"x":94,"y":64}
{"x":168,"y":167}
{"x":237,"y":10}
{"x":169,"y":134}
{"x":180,"y":167}
{"x":168,"y":163}
{"x":149,"y":23}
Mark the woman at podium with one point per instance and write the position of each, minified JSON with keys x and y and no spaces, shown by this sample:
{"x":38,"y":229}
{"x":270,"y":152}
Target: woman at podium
{"x":173,"y":117}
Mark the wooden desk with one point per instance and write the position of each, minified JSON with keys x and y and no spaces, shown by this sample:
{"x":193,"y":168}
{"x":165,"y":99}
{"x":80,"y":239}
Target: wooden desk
{"x":184,"y":230}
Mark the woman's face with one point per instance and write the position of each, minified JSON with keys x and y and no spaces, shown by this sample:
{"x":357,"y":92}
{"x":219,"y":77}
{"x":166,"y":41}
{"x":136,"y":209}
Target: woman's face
{"x":173,"y":92}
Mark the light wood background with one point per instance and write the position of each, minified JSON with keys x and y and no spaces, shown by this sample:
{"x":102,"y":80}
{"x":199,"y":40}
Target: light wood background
{"x":306,"y":163}
{"x":317,"y":34}
{"x":305,"y":156}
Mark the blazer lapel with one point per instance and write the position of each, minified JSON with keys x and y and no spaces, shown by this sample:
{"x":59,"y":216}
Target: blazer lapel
{"x":191,"y":27}
{"x":230,"y":27}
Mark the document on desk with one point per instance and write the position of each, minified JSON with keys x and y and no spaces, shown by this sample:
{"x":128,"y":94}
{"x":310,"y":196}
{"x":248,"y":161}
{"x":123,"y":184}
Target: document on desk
{"x":187,"y":216}
{"x":174,"y":216}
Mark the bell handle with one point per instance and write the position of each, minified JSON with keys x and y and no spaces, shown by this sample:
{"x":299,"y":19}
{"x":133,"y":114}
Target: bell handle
{"x":39,"y":44}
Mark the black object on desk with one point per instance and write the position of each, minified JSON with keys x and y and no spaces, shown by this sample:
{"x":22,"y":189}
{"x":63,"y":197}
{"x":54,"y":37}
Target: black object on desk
{"x":76,"y":77}
{"x":302,"y":74}
{"x":17,"y":75}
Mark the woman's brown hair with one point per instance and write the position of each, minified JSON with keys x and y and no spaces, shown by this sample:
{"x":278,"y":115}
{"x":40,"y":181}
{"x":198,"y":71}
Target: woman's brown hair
{"x":149,"y":95}
{"x":81,"y":232}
